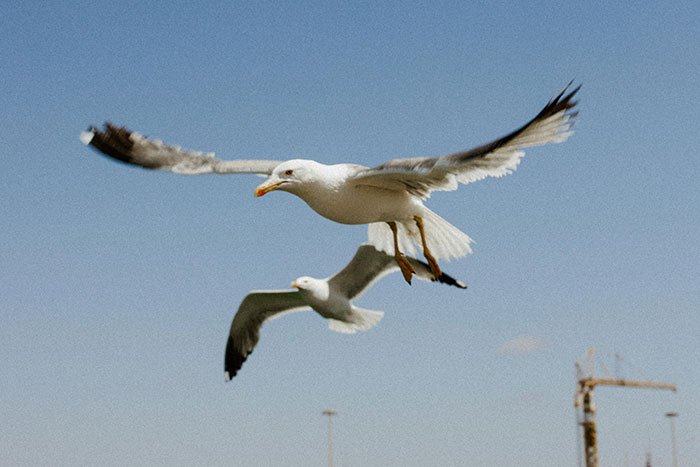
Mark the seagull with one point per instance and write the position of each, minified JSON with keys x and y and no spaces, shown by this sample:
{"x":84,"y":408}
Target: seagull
{"x":388,"y":197}
{"x":330,"y":298}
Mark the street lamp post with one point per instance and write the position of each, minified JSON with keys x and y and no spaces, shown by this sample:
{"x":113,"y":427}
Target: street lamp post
{"x":330,"y":413}
{"x":671,"y":416}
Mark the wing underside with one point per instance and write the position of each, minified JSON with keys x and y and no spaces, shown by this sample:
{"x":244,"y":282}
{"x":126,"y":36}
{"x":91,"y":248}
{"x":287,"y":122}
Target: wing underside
{"x":133,"y":148}
{"x":421,"y":176}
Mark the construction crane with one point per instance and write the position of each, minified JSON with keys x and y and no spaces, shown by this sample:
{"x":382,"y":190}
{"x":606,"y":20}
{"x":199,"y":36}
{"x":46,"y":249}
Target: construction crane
{"x":586,"y":382}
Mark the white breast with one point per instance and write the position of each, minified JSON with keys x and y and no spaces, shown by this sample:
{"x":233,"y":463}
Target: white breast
{"x":361,"y":204}
{"x":326,"y":302}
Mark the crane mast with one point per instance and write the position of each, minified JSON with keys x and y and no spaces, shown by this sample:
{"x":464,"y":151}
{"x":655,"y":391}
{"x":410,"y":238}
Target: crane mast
{"x":586,"y":382}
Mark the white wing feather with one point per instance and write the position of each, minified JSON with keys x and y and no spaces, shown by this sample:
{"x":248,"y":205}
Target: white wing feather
{"x":421,"y":176}
{"x":133,"y":148}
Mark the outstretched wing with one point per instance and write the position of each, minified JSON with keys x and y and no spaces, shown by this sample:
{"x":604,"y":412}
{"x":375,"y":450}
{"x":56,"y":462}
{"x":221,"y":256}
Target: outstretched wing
{"x":256,"y":308}
{"x":421,"y":176}
{"x":133,"y":148}
{"x":369,"y":265}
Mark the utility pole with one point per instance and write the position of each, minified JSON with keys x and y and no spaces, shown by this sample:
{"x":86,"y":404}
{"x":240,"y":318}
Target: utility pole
{"x":330,"y":413}
{"x":584,"y":398}
{"x":671,"y":416}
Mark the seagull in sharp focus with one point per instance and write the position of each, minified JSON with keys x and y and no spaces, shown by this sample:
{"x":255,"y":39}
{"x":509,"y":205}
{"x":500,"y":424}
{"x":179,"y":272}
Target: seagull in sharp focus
{"x":330,"y":298}
{"x":388,"y":197}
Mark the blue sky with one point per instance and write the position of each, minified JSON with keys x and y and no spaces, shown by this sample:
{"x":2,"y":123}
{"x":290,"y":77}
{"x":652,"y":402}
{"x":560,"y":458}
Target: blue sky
{"x":118,"y":285}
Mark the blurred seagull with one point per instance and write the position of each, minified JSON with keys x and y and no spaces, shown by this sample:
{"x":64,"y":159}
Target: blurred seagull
{"x":330,"y":298}
{"x":388,"y":197}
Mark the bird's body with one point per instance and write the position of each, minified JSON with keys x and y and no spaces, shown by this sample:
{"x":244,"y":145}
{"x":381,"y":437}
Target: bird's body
{"x":330,"y":302}
{"x":328,"y":190}
{"x":331,"y":298}
{"x":388,"y":197}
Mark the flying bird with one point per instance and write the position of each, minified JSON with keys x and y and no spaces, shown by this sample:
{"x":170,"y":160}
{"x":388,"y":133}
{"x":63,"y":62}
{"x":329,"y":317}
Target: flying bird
{"x":330,"y":298}
{"x":388,"y":197}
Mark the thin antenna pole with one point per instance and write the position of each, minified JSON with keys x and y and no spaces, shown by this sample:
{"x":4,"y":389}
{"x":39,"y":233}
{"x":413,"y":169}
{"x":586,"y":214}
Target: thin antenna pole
{"x":671,"y":416}
{"x":330,"y":413}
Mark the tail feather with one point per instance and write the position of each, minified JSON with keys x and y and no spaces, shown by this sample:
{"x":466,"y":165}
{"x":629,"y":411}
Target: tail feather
{"x":362,"y":320}
{"x":444,"y":240}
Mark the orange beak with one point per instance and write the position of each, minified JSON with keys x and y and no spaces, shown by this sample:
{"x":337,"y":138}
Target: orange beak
{"x":266,"y":187}
{"x":294,"y":284}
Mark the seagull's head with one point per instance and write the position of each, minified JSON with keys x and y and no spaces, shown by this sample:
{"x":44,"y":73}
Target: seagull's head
{"x":316,"y":288}
{"x":290,"y":176}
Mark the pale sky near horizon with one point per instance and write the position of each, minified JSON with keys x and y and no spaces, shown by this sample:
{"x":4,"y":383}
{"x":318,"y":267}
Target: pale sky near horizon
{"x":118,"y":284}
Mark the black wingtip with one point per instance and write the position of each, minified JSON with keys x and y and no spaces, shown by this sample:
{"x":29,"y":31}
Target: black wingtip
{"x":117,"y":143}
{"x":562,"y":101}
{"x":449,"y":280}
{"x":566,"y":88}
{"x":443,"y":279}
{"x":113,"y":141}
{"x":233,"y":360}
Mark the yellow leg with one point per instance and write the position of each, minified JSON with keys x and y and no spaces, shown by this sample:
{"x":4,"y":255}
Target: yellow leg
{"x":426,"y":252}
{"x":405,"y":266}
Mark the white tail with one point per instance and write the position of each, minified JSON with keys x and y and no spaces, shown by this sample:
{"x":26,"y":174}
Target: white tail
{"x":444,"y":240}
{"x":362,"y":320}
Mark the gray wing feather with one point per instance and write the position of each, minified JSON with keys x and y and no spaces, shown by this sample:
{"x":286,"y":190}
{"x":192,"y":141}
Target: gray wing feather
{"x":420,"y":176}
{"x":369,"y":265}
{"x":256,"y":308}
{"x":133,"y":148}
{"x":364,"y":269}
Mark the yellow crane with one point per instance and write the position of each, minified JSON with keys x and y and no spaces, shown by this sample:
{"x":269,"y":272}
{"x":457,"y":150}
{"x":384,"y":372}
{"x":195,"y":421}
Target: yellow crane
{"x":586,"y":382}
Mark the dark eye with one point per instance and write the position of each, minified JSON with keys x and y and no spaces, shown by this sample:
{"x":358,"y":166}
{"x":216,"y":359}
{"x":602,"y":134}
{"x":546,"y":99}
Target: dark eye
{"x":288,"y":172}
